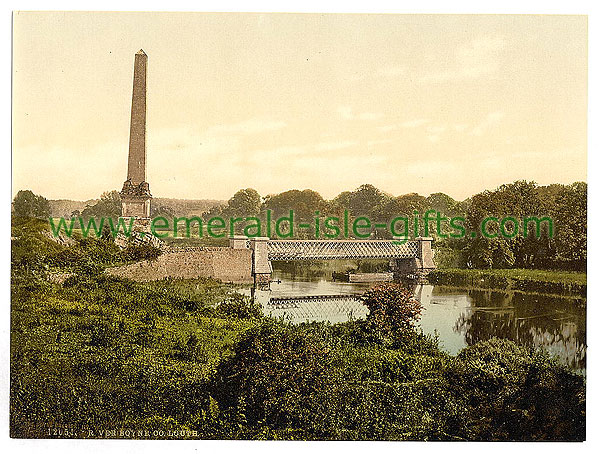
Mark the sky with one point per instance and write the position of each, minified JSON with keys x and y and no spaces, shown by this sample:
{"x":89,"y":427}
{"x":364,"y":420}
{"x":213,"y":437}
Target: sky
{"x":409,"y":103}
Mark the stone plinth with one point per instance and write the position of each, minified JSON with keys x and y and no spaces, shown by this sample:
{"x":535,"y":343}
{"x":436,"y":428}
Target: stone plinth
{"x":238,"y":242}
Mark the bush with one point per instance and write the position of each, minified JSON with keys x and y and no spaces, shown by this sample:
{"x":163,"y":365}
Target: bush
{"x":273,"y":376}
{"x":141,"y":252}
{"x":392,"y":309}
{"x":515,"y":394}
{"x":239,"y":306}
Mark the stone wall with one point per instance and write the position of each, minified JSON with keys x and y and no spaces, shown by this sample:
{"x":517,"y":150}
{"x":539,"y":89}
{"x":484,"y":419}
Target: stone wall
{"x":228,"y":265}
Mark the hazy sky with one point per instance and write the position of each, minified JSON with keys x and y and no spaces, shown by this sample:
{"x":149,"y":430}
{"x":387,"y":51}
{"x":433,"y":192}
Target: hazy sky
{"x":409,"y":103}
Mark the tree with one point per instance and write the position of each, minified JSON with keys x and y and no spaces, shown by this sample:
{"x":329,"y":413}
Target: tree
{"x":444,"y":204}
{"x":305,"y":205}
{"x":109,"y":206}
{"x":164,"y":211}
{"x":403,"y":205}
{"x":244,"y":203}
{"x":364,"y":200}
{"x":519,"y":200}
{"x":28,"y":204}
{"x":570,"y":215}
{"x":392,"y":309}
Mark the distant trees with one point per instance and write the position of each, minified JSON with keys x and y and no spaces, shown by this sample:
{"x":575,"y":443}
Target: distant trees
{"x":364,"y":201}
{"x":565,"y":205}
{"x":162,"y":211}
{"x":570,"y":214}
{"x":28,"y":204}
{"x":109,"y":206}
{"x":245,"y":202}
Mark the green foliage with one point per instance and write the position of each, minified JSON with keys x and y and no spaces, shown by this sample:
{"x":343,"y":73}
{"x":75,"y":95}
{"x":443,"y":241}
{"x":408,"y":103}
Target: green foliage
{"x":98,"y":351}
{"x":565,"y":205}
{"x":28,"y":204}
{"x":447,"y":257}
{"x":239,"y":306}
{"x":319,"y":382}
{"x":115,"y":353}
{"x":163,"y":211}
{"x":570,"y":212}
{"x":245,"y":202}
{"x":273,"y":376}
{"x":144,"y":251}
{"x":514,"y":394}
{"x":109,"y":206}
{"x":392,"y":309}
{"x":536,"y":281}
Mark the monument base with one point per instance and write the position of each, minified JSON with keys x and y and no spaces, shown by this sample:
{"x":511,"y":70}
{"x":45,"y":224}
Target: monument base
{"x":140,"y":234}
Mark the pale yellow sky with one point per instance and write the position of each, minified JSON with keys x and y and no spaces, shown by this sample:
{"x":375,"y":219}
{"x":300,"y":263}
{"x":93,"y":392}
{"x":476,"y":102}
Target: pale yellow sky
{"x":409,"y":103}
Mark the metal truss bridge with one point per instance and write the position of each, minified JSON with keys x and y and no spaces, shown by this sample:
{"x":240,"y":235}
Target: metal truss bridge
{"x":341,"y":249}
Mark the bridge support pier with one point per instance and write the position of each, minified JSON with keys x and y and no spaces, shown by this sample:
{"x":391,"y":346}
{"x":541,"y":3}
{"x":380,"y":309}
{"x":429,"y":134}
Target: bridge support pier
{"x":238,"y":242}
{"x":261,"y":266}
{"x":419,"y":266}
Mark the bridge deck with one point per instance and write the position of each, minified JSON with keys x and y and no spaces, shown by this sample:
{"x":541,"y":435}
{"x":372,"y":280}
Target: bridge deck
{"x":340,"y":249}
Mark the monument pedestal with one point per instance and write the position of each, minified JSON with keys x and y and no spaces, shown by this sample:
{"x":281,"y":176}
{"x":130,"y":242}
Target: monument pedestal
{"x":140,"y":233}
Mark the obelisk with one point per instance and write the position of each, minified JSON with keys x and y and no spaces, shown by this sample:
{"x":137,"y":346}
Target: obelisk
{"x":135,"y":195}
{"x":136,"y":169}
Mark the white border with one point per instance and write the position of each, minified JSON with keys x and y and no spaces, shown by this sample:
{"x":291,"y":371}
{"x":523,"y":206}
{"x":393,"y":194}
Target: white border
{"x":371,"y":6}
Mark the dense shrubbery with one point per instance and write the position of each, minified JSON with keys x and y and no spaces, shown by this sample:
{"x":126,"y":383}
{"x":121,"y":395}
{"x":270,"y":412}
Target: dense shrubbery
{"x":32,"y":242}
{"x":551,"y":282}
{"x":515,"y":394}
{"x":101,"y":352}
{"x":392,"y":309}
{"x":239,"y":306}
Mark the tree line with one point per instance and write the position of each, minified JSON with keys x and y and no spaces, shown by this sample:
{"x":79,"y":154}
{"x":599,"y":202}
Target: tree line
{"x":566,"y":205}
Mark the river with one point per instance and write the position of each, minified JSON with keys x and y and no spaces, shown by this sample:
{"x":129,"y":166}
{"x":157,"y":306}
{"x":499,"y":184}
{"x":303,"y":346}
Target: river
{"x":458,"y":316}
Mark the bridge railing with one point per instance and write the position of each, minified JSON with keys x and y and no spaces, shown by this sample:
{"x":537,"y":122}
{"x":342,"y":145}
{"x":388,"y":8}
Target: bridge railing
{"x":414,"y":256}
{"x":340,"y":249}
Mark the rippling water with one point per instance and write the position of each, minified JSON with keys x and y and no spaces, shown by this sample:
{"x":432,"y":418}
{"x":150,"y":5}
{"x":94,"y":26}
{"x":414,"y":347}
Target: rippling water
{"x":459,"y":317}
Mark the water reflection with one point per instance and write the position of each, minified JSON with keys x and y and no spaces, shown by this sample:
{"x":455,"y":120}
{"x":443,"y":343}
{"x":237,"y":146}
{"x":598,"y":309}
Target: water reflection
{"x":459,"y":317}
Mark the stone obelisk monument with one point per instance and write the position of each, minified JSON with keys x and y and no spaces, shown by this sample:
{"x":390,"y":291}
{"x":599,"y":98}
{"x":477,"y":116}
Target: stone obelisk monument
{"x":135,"y":195}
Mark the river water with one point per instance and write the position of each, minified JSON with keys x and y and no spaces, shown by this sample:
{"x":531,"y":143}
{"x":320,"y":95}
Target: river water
{"x":458,"y":316}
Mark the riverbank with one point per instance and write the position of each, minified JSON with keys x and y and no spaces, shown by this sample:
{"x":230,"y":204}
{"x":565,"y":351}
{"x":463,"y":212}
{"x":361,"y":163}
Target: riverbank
{"x":566,"y":283}
{"x":97,"y":356}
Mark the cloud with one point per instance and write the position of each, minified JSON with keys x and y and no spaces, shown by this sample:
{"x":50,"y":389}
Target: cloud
{"x":347,"y":113}
{"x":407,"y":124}
{"x":434,"y":133}
{"x":414,"y":123}
{"x":330,"y":146}
{"x":491,"y":120}
{"x":477,"y":58}
{"x":251,"y":126}
{"x":370,"y":116}
{"x":373,"y":143}
{"x":385,"y":72}
{"x":437,"y":167}
{"x":436,"y":129}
